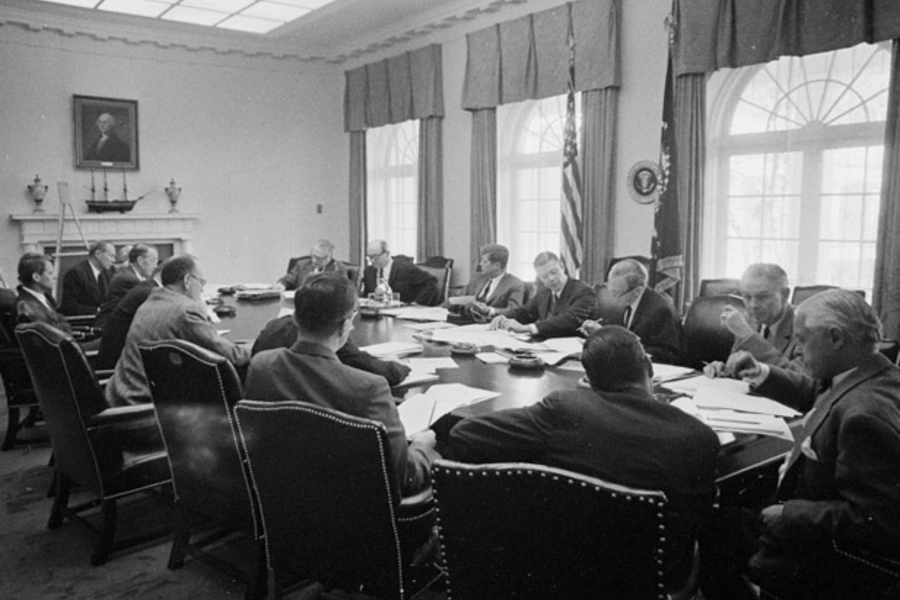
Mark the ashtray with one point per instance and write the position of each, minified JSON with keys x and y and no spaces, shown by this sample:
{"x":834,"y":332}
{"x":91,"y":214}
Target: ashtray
{"x":225,"y":311}
{"x":526,"y":360}
{"x":465,"y":348}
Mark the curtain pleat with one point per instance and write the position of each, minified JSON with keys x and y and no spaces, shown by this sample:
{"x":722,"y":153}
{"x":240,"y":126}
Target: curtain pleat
{"x":430,"y":237}
{"x":598,"y":170}
{"x":357,"y":200}
{"x":483,"y":179}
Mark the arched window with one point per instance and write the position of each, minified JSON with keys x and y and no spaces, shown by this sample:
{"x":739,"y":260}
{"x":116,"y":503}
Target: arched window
{"x":392,"y":155}
{"x":796,"y":155}
{"x":529,"y":179}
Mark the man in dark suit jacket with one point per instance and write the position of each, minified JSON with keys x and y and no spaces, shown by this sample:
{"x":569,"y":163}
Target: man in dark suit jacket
{"x":320,"y":260}
{"x":841,"y":482}
{"x":86,"y":284}
{"x":309,"y":371}
{"x":142,"y":261}
{"x":616,"y":431}
{"x":35,"y":304}
{"x":109,"y":147}
{"x":649,"y":314}
{"x":556,"y":310}
{"x":404,"y":278}
{"x":492,"y":286}
{"x":116,"y":328}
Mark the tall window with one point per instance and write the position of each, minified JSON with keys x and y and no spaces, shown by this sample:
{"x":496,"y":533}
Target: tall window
{"x":392,"y":154}
{"x":529,"y":179}
{"x":797,"y":147}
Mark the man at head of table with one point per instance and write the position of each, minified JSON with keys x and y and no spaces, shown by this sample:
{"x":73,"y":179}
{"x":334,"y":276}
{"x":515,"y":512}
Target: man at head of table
{"x":558,"y":308}
{"x":320,"y":259}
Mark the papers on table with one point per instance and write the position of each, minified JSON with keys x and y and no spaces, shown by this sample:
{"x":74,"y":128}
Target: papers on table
{"x":417,"y":313}
{"x":392,"y":349}
{"x":690,"y":385}
{"x":429,"y":325}
{"x":572,"y":365}
{"x":738,"y":413}
{"x":284,"y":310}
{"x":480,"y":335}
{"x":460,"y":300}
{"x":663,"y":372}
{"x":430,"y":365}
{"x":417,"y":378}
{"x":288,"y":294}
{"x":556,"y":350}
{"x":491,"y":358}
{"x":722,"y":400}
{"x":419,"y":411}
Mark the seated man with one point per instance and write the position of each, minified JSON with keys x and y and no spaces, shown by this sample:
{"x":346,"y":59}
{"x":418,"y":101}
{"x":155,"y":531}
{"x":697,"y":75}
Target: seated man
{"x":768,"y":335}
{"x":493,"y":287}
{"x":122,"y":257}
{"x":556,"y":310}
{"x":115,"y":331}
{"x":37,"y":278}
{"x":282,"y":333}
{"x":649,"y":314}
{"x":616,"y":431}
{"x":86,"y":284}
{"x":174,"y":311}
{"x":320,"y":260}
{"x":142,"y":260}
{"x":404,"y":278}
{"x":309,"y":371}
{"x":841,"y":482}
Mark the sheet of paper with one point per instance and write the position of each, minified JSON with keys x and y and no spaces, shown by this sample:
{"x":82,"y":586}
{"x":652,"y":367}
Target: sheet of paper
{"x":709,"y":398}
{"x":421,"y":313}
{"x":288,"y":294}
{"x":572,"y":365}
{"x":419,"y":411}
{"x":392,"y":348}
{"x":457,"y":300}
{"x":417,"y":378}
{"x":416,"y":413}
{"x":735,"y":422}
{"x":429,"y":325}
{"x":491,"y":358}
{"x":284,"y":310}
{"x":692,"y":384}
{"x":564,"y":345}
{"x":663,"y":372}
{"x":480,"y":335}
{"x":431,"y":364}
{"x":460,"y":393}
{"x":555,"y":358}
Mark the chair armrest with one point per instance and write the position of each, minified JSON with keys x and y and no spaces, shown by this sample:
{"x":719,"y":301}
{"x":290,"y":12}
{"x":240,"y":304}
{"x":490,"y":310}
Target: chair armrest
{"x":121,"y":414}
{"x":416,"y":506}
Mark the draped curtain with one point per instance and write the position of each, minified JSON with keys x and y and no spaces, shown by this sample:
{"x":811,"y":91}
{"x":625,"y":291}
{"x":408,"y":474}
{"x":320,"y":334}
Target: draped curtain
{"x":527,"y":58}
{"x":357,"y":196}
{"x":393,"y":90}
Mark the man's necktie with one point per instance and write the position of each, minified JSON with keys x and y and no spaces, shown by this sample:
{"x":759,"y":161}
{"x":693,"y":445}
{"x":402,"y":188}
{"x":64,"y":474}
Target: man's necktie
{"x":626,"y":317}
{"x":765,"y":332}
{"x":101,"y":283}
{"x":485,"y":292}
{"x":380,"y":274}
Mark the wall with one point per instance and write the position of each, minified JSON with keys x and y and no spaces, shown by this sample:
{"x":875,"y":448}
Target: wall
{"x":254,"y":142}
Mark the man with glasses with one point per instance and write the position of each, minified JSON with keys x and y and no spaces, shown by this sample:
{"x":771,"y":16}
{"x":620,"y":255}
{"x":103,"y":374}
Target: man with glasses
{"x":142,"y":261}
{"x":412,"y":283}
{"x":556,"y":310}
{"x":766,"y":330}
{"x":310,"y":371}
{"x":492,"y":287}
{"x":320,"y":260}
{"x":174,"y":311}
{"x":86,"y":284}
{"x":648,"y":313}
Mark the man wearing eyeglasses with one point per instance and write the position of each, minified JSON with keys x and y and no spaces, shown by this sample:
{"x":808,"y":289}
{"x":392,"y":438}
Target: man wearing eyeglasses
{"x":174,"y":311}
{"x":142,"y":261}
{"x":412,"y":283}
{"x":648,"y":313}
{"x":320,"y":260}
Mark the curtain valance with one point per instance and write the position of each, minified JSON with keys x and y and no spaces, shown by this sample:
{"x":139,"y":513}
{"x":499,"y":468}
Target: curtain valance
{"x":527,"y":58}
{"x":393,"y":90}
{"x":715,"y":34}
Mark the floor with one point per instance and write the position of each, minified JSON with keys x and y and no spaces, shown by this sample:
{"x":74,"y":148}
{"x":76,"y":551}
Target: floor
{"x":39,"y":564}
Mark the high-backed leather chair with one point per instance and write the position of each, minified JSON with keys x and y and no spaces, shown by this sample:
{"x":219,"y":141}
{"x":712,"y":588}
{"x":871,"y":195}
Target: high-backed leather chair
{"x":22,"y":405}
{"x":518,"y":530}
{"x":440,"y":268}
{"x":111,"y":452}
{"x":329,"y":504}
{"x":194,"y":393}
{"x":644,"y":260}
{"x":802,"y":292}
{"x":718,"y":287}
{"x":705,"y":337}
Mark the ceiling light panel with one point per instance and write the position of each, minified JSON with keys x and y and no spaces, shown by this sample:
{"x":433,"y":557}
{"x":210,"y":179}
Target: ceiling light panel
{"x":196,"y":16}
{"x":249,"y":24}
{"x":276,"y":12}
{"x":82,"y":3}
{"x":143,"y":8}
{"x":310,"y":4}
{"x":228,"y":6}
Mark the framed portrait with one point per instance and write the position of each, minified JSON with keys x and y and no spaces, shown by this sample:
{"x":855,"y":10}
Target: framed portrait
{"x":106,"y":133}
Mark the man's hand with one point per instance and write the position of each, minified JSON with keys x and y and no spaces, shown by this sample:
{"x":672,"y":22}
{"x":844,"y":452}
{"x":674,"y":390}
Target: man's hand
{"x":742,"y":365}
{"x":589,"y":327}
{"x":515,"y":326}
{"x":480,"y":307}
{"x":498,"y":322}
{"x":736,"y":322}
{"x":771,"y":515}
{"x":425,"y":438}
{"x":716,"y":369}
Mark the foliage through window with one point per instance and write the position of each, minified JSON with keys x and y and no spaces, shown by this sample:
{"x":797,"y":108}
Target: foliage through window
{"x":392,"y":154}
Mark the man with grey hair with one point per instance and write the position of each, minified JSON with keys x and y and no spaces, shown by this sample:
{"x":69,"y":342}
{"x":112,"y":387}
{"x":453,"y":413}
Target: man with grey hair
{"x":766,"y":330}
{"x":841,"y":482}
{"x":401,"y":275}
{"x":556,"y":310}
{"x":142,"y":261}
{"x":320,"y":260}
{"x":86,"y":284}
{"x":109,"y":147}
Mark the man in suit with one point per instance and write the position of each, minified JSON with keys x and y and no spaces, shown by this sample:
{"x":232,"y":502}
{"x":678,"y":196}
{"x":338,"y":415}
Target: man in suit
{"x":616,"y":431}
{"x":142,"y":261}
{"x":492,"y":286}
{"x":649,"y":314}
{"x":841,"y":481}
{"x":86,"y":284}
{"x":115,"y":331}
{"x":404,"y":278}
{"x":37,"y":278}
{"x":108,"y":147}
{"x":309,"y":371}
{"x":556,"y":310}
{"x":320,"y":260}
{"x":174,"y":311}
{"x":768,"y":334}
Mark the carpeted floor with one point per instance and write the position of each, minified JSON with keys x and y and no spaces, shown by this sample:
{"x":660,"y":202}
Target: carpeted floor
{"x":39,"y":564}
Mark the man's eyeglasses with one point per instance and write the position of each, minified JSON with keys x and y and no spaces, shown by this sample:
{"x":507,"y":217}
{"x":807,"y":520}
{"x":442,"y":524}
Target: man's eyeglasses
{"x":625,"y":293}
{"x":372,"y":257}
{"x":198,"y":278}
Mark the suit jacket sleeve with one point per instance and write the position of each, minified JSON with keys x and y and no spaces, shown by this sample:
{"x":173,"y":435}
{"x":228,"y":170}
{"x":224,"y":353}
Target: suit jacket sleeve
{"x":199,"y":330}
{"x":352,"y":356}
{"x":424,"y":285}
{"x":661,"y":334}
{"x":571,"y":313}
{"x":516,"y":434}
{"x":292,"y":279}
{"x":77,"y":298}
{"x":790,"y":388}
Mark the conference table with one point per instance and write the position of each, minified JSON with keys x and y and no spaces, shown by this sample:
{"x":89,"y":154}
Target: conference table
{"x":740,"y":461}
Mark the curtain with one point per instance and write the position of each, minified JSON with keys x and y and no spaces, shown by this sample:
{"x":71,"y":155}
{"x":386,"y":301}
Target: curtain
{"x":886,"y":294}
{"x":598,"y":169}
{"x":430,"y":236}
{"x":357,"y":197}
{"x":483,"y":180}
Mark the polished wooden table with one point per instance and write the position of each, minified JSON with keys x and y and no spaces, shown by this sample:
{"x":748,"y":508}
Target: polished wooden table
{"x":739,"y":461}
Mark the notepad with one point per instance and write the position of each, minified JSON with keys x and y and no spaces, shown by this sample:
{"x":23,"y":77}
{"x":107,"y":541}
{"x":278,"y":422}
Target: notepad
{"x":419,"y":411}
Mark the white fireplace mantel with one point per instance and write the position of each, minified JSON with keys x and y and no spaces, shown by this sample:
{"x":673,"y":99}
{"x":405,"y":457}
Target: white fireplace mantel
{"x":39,"y":230}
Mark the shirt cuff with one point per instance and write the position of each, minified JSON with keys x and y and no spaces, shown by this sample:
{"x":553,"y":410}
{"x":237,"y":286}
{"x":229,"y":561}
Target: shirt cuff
{"x":764,"y":371}
{"x":532,"y":328}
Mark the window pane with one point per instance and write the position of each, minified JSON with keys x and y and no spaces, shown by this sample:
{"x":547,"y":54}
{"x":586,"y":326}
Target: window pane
{"x":392,"y":204}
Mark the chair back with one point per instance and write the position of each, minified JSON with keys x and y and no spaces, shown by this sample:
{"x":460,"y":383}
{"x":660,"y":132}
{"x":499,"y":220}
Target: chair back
{"x":644,"y":260}
{"x":194,"y":393}
{"x":518,"y":530}
{"x":327,"y":494}
{"x":352,"y":272}
{"x":802,"y":292}
{"x":293,"y":261}
{"x":718,"y":287}
{"x":529,"y":291}
{"x":13,"y":370}
{"x":69,"y":396}
{"x":8,"y":317}
{"x":440,"y":268}
{"x":705,"y":337}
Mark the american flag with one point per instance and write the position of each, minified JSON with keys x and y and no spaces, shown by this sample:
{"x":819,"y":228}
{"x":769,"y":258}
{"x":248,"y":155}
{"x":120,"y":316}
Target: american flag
{"x":572,"y":250}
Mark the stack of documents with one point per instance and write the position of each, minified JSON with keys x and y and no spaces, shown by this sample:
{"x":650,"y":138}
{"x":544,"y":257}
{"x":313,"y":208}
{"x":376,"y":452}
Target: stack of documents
{"x":480,"y":335}
{"x":417,"y":313}
{"x":392,"y":349}
{"x":662,"y":372}
{"x":419,"y":411}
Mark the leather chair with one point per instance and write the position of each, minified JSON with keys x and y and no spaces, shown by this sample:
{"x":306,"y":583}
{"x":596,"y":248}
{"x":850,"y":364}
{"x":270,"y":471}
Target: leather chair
{"x":644,"y":260}
{"x":194,"y":393}
{"x":329,"y":505}
{"x":802,"y":292}
{"x":440,"y":268}
{"x":718,"y":287}
{"x":112,"y":452}
{"x":23,"y":409}
{"x":518,"y":530}
{"x":705,"y":338}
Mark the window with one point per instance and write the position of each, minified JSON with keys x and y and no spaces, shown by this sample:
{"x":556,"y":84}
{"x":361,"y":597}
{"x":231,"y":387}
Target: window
{"x":796,"y":149}
{"x":529,"y":179}
{"x":392,"y":154}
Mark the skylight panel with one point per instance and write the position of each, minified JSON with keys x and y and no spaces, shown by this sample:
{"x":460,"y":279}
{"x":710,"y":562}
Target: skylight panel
{"x":81,"y":3}
{"x":249,"y":24}
{"x":275,"y":12}
{"x":197,"y":16}
{"x":228,"y":6}
{"x":143,"y":8}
